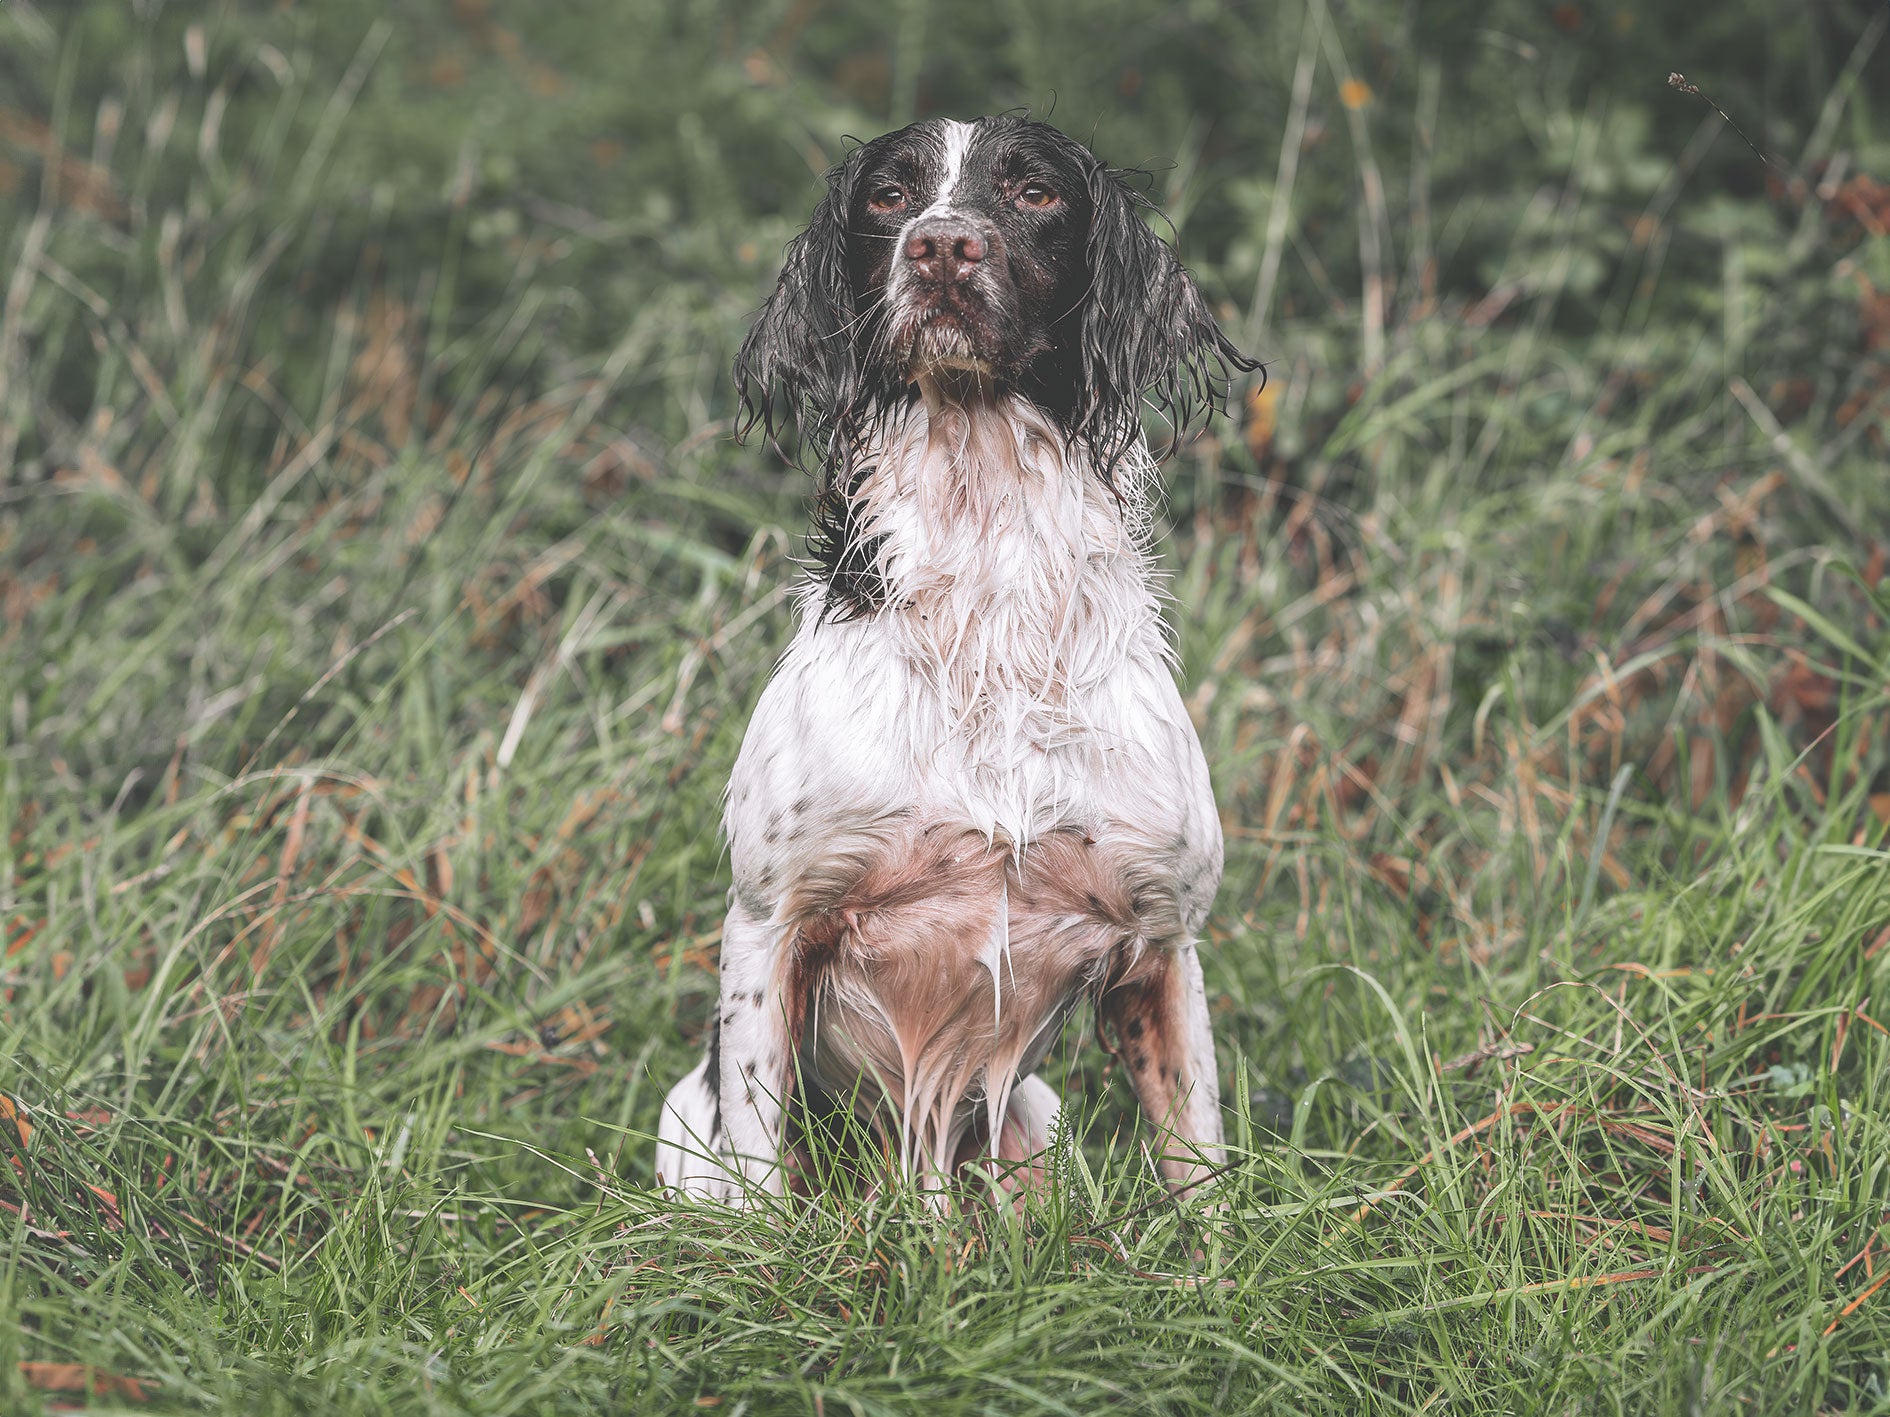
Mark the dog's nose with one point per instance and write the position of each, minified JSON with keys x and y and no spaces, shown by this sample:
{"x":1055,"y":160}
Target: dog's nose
{"x":946,"y":249}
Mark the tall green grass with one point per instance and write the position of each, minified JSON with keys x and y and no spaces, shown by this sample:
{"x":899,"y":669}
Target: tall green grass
{"x":382,"y":599}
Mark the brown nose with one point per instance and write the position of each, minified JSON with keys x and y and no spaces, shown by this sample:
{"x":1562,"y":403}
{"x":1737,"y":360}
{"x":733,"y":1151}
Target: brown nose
{"x":945,"y":249}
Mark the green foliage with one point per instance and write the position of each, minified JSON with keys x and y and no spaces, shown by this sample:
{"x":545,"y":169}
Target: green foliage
{"x":382,"y":598}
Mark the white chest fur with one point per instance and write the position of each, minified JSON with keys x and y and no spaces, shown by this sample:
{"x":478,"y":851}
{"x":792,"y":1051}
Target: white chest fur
{"x":1016,"y":681}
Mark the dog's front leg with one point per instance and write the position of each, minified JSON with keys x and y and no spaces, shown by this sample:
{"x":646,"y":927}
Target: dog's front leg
{"x":721,"y":1131}
{"x":756,"y":1056}
{"x":1157,"y":1009}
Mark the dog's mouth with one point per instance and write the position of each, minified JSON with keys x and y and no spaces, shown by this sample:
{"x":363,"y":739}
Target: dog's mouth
{"x":944,"y":330}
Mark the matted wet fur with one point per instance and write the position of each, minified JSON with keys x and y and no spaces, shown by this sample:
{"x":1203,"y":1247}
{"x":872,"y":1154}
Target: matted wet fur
{"x":970,"y":797}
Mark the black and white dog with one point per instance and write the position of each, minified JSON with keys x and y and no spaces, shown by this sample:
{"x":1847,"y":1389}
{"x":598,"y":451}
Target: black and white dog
{"x":970,"y":796}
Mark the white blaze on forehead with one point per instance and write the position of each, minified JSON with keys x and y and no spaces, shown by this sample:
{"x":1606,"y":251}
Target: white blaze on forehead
{"x":957,"y":144}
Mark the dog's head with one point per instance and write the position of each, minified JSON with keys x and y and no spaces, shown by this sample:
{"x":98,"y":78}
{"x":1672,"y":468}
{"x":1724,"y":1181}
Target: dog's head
{"x":1000,"y":250}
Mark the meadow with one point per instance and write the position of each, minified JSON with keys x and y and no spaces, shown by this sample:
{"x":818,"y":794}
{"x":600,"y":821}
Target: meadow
{"x":383,"y":595}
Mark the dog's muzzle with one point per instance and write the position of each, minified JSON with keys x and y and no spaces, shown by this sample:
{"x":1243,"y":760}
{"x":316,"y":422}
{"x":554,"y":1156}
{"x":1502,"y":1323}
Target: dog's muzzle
{"x":946,"y":283}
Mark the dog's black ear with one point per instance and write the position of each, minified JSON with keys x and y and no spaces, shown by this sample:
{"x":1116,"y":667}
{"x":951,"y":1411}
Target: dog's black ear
{"x":797,"y":364}
{"x":1146,"y":330}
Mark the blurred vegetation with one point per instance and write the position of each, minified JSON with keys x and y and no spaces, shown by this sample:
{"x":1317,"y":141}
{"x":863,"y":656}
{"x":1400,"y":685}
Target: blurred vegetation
{"x":382,"y":599}
{"x":525,"y":194}
{"x":614,"y":155}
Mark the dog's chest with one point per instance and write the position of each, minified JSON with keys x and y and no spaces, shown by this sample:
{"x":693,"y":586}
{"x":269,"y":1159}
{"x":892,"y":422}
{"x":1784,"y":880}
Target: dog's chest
{"x":1015,"y":683}
{"x":1005,"y":686}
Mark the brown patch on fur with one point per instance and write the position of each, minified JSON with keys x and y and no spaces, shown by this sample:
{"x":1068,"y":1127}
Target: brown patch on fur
{"x":897,"y":992}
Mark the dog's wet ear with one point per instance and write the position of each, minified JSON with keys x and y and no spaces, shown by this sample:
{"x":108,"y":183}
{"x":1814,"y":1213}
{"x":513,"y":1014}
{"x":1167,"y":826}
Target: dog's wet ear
{"x":1146,"y":333}
{"x":797,"y":365}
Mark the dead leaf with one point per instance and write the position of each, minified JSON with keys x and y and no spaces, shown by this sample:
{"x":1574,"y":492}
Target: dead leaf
{"x":114,"y":1218}
{"x":1863,"y":200}
{"x":1262,"y":418}
{"x":15,"y":1113}
{"x":79,"y":1377}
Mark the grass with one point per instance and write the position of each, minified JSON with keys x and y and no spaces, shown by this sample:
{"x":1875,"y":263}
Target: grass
{"x":377,"y":639}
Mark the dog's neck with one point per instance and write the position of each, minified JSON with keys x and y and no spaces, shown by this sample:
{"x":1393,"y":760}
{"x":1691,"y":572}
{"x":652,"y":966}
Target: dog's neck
{"x":1014,"y":574}
{"x":967,"y":383}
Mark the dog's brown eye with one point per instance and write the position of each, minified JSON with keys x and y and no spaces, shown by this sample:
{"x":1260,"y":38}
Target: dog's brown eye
{"x":1035,"y":194}
{"x":889,"y":199}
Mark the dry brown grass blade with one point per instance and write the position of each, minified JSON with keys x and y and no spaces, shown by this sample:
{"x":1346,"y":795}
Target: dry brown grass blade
{"x":247,"y":1251}
{"x":531,"y":1053}
{"x":1855,"y":1304}
{"x":114,"y":1218}
{"x":1861,"y":1257}
{"x":1837,"y":1043}
{"x":285,"y":872}
{"x":27,"y":930}
{"x":1475,"y":1128}
{"x":1580,"y":1281}
{"x":1178,"y":1281}
{"x":74,"y":181}
{"x":1495,"y":1053}
{"x":1659,"y":1234}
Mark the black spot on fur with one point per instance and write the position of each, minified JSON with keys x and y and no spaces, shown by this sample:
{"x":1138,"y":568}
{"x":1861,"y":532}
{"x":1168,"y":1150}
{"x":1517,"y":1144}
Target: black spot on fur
{"x":844,"y":557}
{"x":715,"y":1076}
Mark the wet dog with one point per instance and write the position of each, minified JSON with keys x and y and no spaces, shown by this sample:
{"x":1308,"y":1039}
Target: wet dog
{"x":970,"y":797}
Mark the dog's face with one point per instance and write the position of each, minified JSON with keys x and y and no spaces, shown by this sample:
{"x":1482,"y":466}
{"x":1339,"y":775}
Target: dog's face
{"x":1000,"y":247}
{"x":971,"y":240}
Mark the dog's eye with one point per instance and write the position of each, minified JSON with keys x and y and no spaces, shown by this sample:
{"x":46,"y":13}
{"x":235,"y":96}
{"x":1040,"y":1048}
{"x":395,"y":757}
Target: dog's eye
{"x":1035,"y":194}
{"x":889,"y":198}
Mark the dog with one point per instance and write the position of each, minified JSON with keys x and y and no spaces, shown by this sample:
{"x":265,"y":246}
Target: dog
{"x":970,"y":796}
